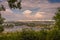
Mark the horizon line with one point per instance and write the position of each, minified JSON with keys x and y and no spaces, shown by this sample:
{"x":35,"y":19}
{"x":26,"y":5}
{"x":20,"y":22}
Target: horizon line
{"x":30,"y":20}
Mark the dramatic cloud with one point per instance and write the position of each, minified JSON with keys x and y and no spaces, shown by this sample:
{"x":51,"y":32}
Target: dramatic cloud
{"x":29,"y":13}
{"x":31,"y":10}
{"x":39,"y":15}
{"x":26,"y":15}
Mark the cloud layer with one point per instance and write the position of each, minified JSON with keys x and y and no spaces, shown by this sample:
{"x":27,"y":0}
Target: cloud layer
{"x":31,"y":10}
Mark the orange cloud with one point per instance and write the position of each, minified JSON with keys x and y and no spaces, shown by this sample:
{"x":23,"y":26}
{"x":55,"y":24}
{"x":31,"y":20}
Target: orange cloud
{"x":28,"y":13}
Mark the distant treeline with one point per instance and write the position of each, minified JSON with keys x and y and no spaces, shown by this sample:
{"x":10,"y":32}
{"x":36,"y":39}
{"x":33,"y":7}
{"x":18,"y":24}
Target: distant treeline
{"x":31,"y":23}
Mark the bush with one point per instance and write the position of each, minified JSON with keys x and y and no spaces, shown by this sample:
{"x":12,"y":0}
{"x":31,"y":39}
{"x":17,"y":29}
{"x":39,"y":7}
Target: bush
{"x":28,"y":34}
{"x":53,"y":34}
{"x":1,"y":28}
{"x":31,"y":24}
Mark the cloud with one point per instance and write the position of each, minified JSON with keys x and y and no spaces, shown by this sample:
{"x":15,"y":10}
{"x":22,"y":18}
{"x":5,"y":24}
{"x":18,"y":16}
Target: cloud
{"x":31,"y":10}
{"x":39,"y":3}
{"x":42,"y":5}
{"x":39,"y":15}
{"x":29,"y":15}
{"x":8,"y":14}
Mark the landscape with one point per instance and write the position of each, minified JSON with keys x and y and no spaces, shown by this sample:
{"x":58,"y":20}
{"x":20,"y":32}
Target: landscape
{"x":29,"y":19}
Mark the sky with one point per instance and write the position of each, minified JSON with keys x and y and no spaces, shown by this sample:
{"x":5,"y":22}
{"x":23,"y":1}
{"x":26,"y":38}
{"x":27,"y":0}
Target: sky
{"x":31,"y":10}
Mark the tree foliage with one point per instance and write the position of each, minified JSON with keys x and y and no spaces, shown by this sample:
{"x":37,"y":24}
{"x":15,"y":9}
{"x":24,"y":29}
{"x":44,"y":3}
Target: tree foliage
{"x":2,"y":8}
{"x":1,"y":29}
{"x":1,"y":22}
{"x":53,"y":34}
{"x":14,"y":4}
{"x":57,"y":18}
{"x":1,"y":18}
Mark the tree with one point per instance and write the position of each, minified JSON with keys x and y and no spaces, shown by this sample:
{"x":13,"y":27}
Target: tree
{"x":1,"y":22}
{"x":14,"y":4}
{"x":54,"y":34}
{"x":1,"y":29}
{"x":1,"y":18}
{"x":57,"y":19}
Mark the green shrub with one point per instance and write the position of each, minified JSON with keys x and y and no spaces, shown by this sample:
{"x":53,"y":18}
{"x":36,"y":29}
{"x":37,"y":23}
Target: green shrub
{"x":1,"y":28}
{"x":28,"y":34}
{"x":53,"y":34}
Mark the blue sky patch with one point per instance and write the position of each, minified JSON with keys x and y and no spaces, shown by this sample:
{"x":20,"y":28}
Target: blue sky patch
{"x":54,"y":1}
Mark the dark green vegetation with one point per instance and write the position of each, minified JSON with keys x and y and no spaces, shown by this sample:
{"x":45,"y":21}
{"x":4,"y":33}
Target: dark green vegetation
{"x":1,"y":28}
{"x":9,"y":26}
{"x":1,"y":22}
{"x":18,"y":23}
{"x":32,"y":23}
{"x":27,"y":34}
{"x":57,"y":19}
{"x":14,"y":4}
{"x":1,"y":19}
{"x":2,"y":8}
